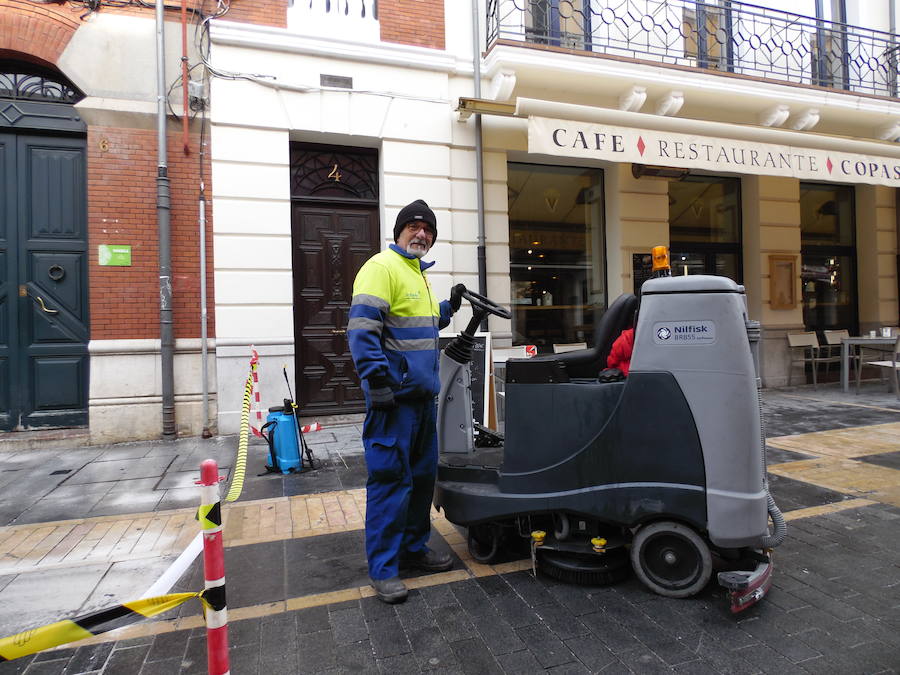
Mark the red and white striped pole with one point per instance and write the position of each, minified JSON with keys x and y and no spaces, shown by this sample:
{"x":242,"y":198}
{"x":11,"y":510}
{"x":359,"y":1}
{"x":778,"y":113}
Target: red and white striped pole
{"x":210,"y":516}
{"x":257,"y":409}
{"x":309,"y":428}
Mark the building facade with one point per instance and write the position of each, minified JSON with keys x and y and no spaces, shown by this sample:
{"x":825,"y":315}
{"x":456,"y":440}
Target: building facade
{"x":558,"y":141}
{"x":80,"y":310}
{"x":757,"y":142}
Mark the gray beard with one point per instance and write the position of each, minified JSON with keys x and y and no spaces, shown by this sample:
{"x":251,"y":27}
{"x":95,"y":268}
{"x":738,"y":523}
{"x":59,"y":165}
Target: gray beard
{"x":418,"y":252}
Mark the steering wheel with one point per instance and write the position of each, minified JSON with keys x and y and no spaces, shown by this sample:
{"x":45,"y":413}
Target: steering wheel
{"x":485,"y":305}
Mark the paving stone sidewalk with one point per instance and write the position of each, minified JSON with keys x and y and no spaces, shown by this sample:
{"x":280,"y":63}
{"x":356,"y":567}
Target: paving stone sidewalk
{"x":834,"y":608}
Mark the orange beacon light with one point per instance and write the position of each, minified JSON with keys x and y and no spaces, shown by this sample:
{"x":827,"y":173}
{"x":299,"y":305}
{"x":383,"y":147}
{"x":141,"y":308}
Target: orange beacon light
{"x":660,"y":255}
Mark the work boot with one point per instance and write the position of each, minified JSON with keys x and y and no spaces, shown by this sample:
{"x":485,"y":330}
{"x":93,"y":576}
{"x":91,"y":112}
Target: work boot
{"x":391,"y":590}
{"x":430,"y":561}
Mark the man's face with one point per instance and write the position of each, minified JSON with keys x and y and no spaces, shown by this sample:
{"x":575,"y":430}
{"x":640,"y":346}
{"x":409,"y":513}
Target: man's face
{"x":416,"y":238}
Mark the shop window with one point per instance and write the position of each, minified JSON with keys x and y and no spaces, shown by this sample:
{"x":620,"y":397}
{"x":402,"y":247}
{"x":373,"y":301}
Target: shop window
{"x":828,"y":257}
{"x":705,"y":226}
{"x":557,"y":254}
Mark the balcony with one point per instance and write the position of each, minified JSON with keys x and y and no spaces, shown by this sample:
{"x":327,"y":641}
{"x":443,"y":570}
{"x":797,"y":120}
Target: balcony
{"x":731,"y":37}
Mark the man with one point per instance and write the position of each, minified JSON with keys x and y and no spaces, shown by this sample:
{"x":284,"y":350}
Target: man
{"x":393,"y":335}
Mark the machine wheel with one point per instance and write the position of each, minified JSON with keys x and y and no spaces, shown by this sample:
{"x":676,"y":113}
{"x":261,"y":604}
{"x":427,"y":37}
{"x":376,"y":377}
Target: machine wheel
{"x":586,"y":569}
{"x":671,"y":559}
{"x":484,"y":542}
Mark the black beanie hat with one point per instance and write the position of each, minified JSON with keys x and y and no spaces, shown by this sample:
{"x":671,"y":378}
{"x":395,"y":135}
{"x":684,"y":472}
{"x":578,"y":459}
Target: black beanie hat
{"x":417,"y":210}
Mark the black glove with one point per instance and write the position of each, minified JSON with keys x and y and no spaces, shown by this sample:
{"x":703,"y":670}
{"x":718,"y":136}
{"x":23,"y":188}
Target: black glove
{"x":611,"y":375}
{"x":456,"y":297}
{"x":380,"y":394}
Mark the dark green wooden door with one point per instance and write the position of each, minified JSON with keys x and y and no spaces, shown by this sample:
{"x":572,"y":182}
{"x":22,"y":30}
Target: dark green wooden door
{"x":43,"y":298}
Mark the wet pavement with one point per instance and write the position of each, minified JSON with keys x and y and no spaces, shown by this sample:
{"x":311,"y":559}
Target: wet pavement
{"x":84,"y":528}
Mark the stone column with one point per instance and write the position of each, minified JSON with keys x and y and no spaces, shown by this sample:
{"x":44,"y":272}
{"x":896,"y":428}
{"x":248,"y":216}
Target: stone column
{"x":637,"y":220}
{"x":771,"y":224}
{"x":876,"y":256}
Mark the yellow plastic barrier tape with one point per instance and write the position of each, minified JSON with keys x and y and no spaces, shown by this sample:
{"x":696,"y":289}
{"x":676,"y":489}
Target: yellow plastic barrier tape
{"x":69,"y":630}
{"x":240,"y":465}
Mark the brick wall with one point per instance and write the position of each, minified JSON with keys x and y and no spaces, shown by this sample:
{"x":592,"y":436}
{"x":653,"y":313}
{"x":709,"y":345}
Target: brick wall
{"x":40,"y":30}
{"x":412,"y":22}
{"x":266,"y":13}
{"x":263,"y":13}
{"x":122,"y":210}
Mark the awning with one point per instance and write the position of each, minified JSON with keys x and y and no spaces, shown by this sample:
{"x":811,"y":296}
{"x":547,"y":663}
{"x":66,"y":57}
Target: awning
{"x":585,"y":140}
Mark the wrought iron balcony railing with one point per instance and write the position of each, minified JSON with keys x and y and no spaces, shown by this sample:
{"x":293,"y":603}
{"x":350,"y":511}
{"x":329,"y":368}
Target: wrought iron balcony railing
{"x":726,"y":36}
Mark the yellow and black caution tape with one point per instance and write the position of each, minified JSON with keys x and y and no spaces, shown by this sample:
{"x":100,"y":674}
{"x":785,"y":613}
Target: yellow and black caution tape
{"x":69,"y":630}
{"x":240,"y":465}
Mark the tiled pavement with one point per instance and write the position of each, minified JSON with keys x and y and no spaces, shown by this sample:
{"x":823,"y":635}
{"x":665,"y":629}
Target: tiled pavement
{"x":297,"y":594}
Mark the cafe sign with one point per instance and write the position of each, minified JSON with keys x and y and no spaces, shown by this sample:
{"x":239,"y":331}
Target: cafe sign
{"x":662,"y":148}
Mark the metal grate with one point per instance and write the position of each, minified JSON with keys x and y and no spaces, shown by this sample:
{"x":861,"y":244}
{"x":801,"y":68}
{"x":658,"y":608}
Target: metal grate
{"x":27,"y":87}
{"x":331,"y":172}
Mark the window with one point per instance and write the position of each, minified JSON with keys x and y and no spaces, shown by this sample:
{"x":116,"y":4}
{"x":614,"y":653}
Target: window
{"x":556,"y":248}
{"x":828,"y":257}
{"x":561,"y":23}
{"x":705,"y":226}
{"x":707,"y":35}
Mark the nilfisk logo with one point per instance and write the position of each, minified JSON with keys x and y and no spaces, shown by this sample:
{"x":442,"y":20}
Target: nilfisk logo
{"x":685,"y":332}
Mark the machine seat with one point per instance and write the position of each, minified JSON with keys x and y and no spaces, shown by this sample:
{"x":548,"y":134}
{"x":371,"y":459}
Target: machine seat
{"x":583,"y":363}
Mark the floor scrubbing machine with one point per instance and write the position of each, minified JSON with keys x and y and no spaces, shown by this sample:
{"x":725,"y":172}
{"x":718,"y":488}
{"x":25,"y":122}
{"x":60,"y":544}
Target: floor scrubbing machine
{"x":665,"y":469}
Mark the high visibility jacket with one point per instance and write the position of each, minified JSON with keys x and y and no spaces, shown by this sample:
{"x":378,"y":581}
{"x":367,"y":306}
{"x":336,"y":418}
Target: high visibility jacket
{"x":394,"y":324}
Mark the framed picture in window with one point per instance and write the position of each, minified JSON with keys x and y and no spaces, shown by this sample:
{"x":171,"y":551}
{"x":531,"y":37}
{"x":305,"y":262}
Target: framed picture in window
{"x":783,"y":281}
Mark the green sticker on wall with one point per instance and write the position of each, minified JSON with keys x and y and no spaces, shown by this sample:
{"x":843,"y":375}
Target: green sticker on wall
{"x":115,"y":255}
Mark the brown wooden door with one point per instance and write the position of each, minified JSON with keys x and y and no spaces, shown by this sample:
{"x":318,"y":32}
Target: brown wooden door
{"x":330,"y":244}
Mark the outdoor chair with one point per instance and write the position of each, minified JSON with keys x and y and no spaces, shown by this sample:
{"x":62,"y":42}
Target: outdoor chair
{"x":804,"y":349}
{"x":832,"y":350}
{"x":867,"y":355}
{"x":893,"y":364}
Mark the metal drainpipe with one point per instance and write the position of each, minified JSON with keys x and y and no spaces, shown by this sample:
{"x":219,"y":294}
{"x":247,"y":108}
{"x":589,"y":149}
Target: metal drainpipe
{"x":204,"y":355}
{"x":163,"y":214}
{"x":479,"y":159}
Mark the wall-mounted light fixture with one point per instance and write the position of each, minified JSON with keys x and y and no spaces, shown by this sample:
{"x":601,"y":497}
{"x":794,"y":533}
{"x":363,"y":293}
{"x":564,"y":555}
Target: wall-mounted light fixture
{"x":651,"y":171}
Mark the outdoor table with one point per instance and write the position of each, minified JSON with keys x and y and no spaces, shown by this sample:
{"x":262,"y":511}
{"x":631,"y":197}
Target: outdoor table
{"x":864,"y":342}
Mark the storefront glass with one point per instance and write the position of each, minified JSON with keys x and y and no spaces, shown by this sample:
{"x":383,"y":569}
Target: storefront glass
{"x":705,"y":226}
{"x":828,"y":257}
{"x":557,"y":253}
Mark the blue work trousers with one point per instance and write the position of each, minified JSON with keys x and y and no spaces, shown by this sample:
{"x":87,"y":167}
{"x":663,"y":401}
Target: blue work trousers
{"x":401,"y":457}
